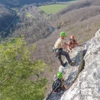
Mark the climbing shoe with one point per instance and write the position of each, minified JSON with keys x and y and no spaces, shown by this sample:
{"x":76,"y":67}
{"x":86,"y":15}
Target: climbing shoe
{"x":72,"y":63}
{"x":65,"y":64}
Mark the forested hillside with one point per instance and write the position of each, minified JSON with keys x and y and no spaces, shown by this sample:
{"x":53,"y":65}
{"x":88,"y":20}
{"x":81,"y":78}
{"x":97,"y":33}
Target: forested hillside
{"x":22,"y":2}
{"x":29,"y":21}
{"x":6,"y":16}
{"x":32,"y":24}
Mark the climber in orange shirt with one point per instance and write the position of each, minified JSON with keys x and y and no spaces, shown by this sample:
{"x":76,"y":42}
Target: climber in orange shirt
{"x":72,"y":43}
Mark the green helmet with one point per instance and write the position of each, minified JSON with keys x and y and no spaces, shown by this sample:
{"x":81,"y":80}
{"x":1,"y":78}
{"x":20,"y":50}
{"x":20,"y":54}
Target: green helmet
{"x":59,"y":75}
{"x":62,"y":34}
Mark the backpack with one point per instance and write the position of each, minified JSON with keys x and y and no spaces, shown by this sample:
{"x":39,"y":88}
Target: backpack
{"x":56,"y":86}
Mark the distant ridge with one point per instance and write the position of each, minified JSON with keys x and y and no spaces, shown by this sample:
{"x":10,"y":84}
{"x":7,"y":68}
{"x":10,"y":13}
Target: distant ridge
{"x":14,"y":3}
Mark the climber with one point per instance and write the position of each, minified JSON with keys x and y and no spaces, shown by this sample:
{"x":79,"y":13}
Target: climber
{"x":58,"y":50}
{"x":59,"y":83}
{"x":72,"y":43}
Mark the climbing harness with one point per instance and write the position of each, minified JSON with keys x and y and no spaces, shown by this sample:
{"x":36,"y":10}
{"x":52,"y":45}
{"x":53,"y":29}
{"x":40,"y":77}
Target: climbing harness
{"x":56,"y":51}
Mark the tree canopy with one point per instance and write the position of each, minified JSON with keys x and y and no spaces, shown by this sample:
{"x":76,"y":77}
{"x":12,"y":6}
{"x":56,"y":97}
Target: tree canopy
{"x":16,"y":70}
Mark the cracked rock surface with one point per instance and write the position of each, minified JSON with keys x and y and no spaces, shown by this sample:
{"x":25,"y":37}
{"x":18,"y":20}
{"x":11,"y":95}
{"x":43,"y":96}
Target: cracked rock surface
{"x":87,"y":85}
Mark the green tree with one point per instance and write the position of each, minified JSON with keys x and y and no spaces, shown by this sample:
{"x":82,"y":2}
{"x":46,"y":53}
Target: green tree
{"x":16,"y":70}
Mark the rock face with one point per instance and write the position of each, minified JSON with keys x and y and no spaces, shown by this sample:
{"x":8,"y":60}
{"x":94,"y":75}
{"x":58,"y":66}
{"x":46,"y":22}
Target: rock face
{"x":87,"y":85}
{"x":70,"y":72}
{"x":85,"y":74}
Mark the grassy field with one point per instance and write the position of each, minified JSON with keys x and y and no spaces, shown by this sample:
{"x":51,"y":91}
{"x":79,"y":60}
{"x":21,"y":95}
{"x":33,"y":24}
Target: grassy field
{"x":54,"y":8}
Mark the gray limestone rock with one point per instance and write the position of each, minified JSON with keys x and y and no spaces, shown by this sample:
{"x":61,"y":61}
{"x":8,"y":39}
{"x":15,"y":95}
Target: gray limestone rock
{"x":87,"y":85}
